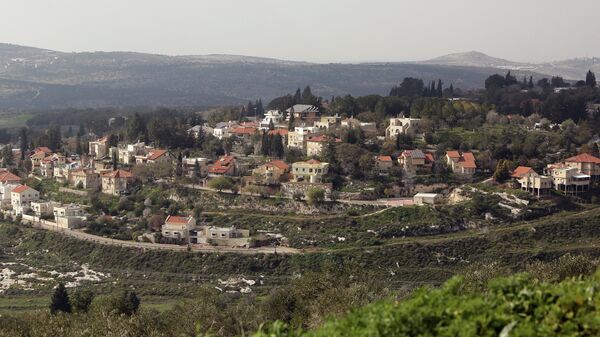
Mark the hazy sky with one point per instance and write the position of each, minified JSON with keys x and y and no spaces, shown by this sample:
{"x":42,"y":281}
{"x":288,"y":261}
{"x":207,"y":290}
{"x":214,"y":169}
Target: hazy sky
{"x":310,"y":30}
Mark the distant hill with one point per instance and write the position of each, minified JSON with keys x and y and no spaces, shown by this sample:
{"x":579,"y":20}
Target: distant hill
{"x":40,"y":78}
{"x":572,"y":69}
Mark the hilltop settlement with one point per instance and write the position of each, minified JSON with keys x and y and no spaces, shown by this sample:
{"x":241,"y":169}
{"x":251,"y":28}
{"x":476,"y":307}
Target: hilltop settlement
{"x":514,"y":148}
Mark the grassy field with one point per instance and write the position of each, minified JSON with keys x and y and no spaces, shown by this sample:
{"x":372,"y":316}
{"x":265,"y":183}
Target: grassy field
{"x":13,"y":120}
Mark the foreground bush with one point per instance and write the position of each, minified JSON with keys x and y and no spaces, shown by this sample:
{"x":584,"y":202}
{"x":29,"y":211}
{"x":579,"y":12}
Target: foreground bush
{"x":514,"y":306}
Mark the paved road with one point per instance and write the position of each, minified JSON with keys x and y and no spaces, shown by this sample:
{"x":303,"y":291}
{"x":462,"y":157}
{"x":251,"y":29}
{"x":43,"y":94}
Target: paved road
{"x":158,"y":246}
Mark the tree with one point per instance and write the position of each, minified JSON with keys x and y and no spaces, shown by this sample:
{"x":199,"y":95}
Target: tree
{"x":590,"y":79}
{"x":197,"y":171}
{"x":127,"y":303}
{"x":23,"y":142}
{"x":78,"y":147}
{"x":291,"y":122}
{"x":115,"y":160}
{"x":502,"y":172}
{"x":315,"y":196}
{"x":81,"y":300}
{"x":595,"y":150}
{"x":8,"y":158}
{"x":136,"y":129}
{"x":220,"y":184}
{"x":60,"y":300}
{"x":409,"y":87}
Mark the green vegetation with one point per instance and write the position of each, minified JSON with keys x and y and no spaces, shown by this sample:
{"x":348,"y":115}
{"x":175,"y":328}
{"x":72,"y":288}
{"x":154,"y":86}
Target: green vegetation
{"x":14,"y":120}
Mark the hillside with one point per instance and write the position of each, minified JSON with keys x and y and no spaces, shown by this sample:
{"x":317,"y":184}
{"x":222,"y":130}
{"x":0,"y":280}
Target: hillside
{"x":572,"y":69}
{"x":39,"y":78}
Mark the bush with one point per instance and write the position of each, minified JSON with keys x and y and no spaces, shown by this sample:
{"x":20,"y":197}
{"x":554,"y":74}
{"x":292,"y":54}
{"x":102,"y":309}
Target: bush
{"x":315,"y":196}
{"x":220,"y":184}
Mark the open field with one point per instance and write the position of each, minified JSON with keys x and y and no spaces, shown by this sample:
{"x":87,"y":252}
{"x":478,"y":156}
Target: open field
{"x":13,"y":120}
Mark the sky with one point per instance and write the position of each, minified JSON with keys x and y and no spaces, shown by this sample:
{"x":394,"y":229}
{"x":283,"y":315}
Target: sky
{"x":310,"y":30}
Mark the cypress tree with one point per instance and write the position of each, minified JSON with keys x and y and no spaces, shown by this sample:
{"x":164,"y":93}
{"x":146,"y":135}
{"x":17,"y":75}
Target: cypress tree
{"x":590,"y":79}
{"x":291,"y":122}
{"x":60,"y":300}
{"x":439,"y":88}
{"x":530,"y":84}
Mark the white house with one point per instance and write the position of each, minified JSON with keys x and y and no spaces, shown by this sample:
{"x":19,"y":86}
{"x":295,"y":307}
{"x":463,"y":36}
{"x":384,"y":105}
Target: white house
{"x":69,"y":216}
{"x":21,"y":198}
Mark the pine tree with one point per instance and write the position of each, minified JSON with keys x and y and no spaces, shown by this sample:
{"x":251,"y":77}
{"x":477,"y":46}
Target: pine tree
{"x":265,"y":147}
{"x":23,"y":142}
{"x":307,"y":95}
{"x":8,"y":158}
{"x":297,"y":96}
{"x":60,"y":300}
{"x":260,"y":111}
{"x":251,"y":110}
{"x":81,"y":130}
{"x":451,"y":89}
{"x":590,"y":79}
{"x":439,"y":88}
{"x":128,"y":303}
{"x":78,"y":147}
{"x":530,"y":84}
{"x":502,"y":172}
{"x":115,"y":162}
{"x":291,"y":122}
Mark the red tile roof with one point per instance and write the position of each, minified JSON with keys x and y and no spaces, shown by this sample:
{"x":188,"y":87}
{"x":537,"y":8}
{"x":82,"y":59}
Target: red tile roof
{"x":521,"y":171}
{"x":174,"y":219}
{"x":429,"y":158}
{"x":243,"y":130}
{"x":313,"y":161}
{"x":281,"y":132}
{"x":118,"y":174}
{"x":155,"y":154}
{"x":6,"y":176}
{"x":384,"y":158}
{"x":453,"y":154}
{"x":583,"y":158}
{"x":223,"y":165}
{"x":21,"y":189}
{"x":44,"y":149}
{"x":468,"y":160}
{"x":321,"y":139}
{"x":279,"y":164}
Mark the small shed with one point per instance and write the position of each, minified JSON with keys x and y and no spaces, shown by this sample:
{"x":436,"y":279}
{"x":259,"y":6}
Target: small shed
{"x":426,"y":198}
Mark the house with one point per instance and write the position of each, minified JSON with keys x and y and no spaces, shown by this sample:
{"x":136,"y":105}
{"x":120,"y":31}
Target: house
{"x":568,"y":179}
{"x":37,"y":158}
{"x":529,"y":180}
{"x":297,"y":138}
{"x":8,"y":182}
{"x":222,"y":236}
{"x":311,"y":171}
{"x":272,"y":117}
{"x":21,"y":198}
{"x":178,"y":227}
{"x":415,"y":161}
{"x":463,"y":164}
{"x":243,"y":133}
{"x":196,"y":130}
{"x":189,"y":166}
{"x":384,"y":164}
{"x":328,"y":122}
{"x":50,"y":162}
{"x":86,"y":178}
{"x":43,"y":208}
{"x":315,"y":145}
{"x":402,"y":125}
{"x":586,"y":164}
{"x":69,"y":216}
{"x":99,"y":148}
{"x":426,"y":198}
{"x":303,"y":111}
{"x":221,"y":129}
{"x":368,"y":128}
{"x":271,"y":173}
{"x":224,"y":166}
{"x":116,"y":182}
{"x":155,"y":156}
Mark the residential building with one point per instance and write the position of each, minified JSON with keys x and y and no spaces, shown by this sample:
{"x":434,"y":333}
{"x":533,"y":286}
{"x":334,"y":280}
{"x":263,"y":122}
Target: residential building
{"x":37,"y":158}
{"x":86,"y":178}
{"x":303,"y":111}
{"x":21,"y":198}
{"x":196,"y":130}
{"x":328,"y":122}
{"x":315,"y":145}
{"x":311,"y":171}
{"x":154,"y":156}
{"x":116,"y":182}
{"x":99,"y":148}
{"x":43,"y":208}
{"x":463,"y":164}
{"x":243,"y":133}
{"x":529,"y":180}
{"x":568,"y":179}
{"x":297,"y":138}
{"x":271,"y":173}
{"x":224,"y":166}
{"x":178,"y":227}
{"x":368,"y":128}
{"x":415,"y":161}
{"x":426,"y":198}
{"x":402,"y":125}
{"x":127,"y":154}
{"x":272,"y":117}
{"x":189,"y":166}
{"x":586,"y":164}
{"x":69,"y":216}
{"x":224,"y":236}
{"x":221,"y":130}
{"x":8,"y":182}
{"x":384,"y":164}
